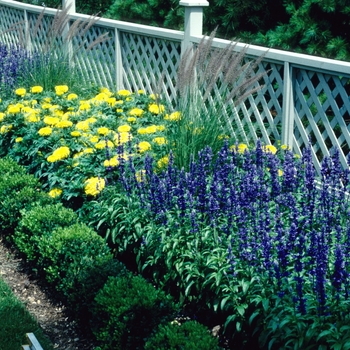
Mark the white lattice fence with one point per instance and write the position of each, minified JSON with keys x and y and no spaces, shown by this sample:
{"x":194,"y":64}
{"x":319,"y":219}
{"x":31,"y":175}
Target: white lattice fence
{"x":260,"y":114}
{"x":12,"y":24}
{"x":96,"y":62}
{"x":323,"y":113}
{"x":150,"y":64}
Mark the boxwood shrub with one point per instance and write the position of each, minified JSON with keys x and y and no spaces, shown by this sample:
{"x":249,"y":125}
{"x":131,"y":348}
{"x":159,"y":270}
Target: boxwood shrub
{"x":127,"y":310}
{"x":40,"y":221}
{"x":189,"y":335}
{"x":18,"y":191}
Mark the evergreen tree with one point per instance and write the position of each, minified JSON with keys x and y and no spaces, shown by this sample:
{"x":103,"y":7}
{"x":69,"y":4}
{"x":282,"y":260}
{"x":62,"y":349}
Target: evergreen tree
{"x":316,"y":27}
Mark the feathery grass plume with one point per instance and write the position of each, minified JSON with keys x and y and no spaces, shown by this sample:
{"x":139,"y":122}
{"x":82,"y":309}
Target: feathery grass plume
{"x":57,"y":43}
{"x":210,"y":83}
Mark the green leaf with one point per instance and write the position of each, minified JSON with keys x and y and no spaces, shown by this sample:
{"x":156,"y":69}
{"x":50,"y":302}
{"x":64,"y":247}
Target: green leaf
{"x":241,"y":310}
{"x":245,"y":286}
{"x":187,"y":290}
{"x":253,"y":316}
{"x":265,"y":303}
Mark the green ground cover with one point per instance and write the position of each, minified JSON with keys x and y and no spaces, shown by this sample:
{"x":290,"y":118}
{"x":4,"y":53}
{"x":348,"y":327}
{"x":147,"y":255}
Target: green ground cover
{"x":16,"y":321}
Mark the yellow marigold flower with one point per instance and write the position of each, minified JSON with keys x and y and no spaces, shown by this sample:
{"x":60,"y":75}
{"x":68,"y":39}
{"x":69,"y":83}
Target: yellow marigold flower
{"x":59,"y":154}
{"x":241,"y":148}
{"x":94,"y":139}
{"x":32,"y":117}
{"x":140,"y":175}
{"x":64,"y":124}
{"x":144,"y":146}
{"x":270,"y":148}
{"x":19,"y":139}
{"x":20,"y":92}
{"x":124,"y":128}
{"x":91,"y":120}
{"x":13,"y":109}
{"x":124,"y":93}
{"x":140,"y":92}
{"x":103,"y":131}
{"x":111,"y":101}
{"x":57,"y":112}
{"x":173,"y":116}
{"x":148,"y":130}
{"x":46,"y":131}
{"x":113,"y":162}
{"x":101,"y":97}
{"x":280,"y":172}
{"x":84,"y":106}
{"x":160,"y":127}
{"x":94,"y":186}
{"x":119,"y":102}
{"x":82,"y":125}
{"x":51,"y":120}
{"x":155,"y":108}
{"x":72,"y":97}
{"x":61,"y":89}
{"x":27,"y":109}
{"x":153,"y":96}
{"x":55,"y":192}
{"x":285,"y":147}
{"x":136,"y":112}
{"x":106,"y":91}
{"x":75,"y":133}
{"x":104,"y":144}
{"x":160,"y":140}
{"x":36,"y":89}
{"x":88,"y":150}
{"x":131,"y":119}
{"x":46,"y":105}
{"x":5,"y":128}
{"x":2,"y":116}
{"x":163,"y":162}
{"x":121,"y":138}
{"x":119,"y":110}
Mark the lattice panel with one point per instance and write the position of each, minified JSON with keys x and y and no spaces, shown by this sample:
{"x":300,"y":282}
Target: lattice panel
{"x":12,"y":28}
{"x":150,"y":64}
{"x":95,"y":58}
{"x":323,"y":113}
{"x":259,"y":116}
{"x":41,"y":29}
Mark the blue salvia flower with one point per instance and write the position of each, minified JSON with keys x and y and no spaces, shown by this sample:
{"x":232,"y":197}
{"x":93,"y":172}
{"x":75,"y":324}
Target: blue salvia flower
{"x":339,"y":274}
{"x":289,"y":179}
{"x":310,"y":172}
{"x":273,"y":165}
{"x":321,"y":270}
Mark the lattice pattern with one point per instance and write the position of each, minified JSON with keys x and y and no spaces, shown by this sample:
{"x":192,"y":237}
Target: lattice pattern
{"x":96,"y":61}
{"x":150,"y":64}
{"x":12,"y":29}
{"x":323,"y":114}
{"x":260,"y":115}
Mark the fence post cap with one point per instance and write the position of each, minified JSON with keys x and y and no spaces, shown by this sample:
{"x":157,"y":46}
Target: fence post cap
{"x":194,"y":3}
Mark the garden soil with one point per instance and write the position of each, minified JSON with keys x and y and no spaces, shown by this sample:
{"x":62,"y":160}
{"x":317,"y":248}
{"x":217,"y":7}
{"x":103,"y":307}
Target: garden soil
{"x":51,"y":315}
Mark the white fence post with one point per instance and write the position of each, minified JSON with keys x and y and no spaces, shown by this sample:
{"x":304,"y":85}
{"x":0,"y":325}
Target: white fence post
{"x":288,"y":107}
{"x":70,"y":4}
{"x":193,"y":20}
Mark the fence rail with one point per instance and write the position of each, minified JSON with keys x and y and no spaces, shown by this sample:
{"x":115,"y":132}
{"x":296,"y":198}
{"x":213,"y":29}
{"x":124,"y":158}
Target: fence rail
{"x":304,"y":98}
